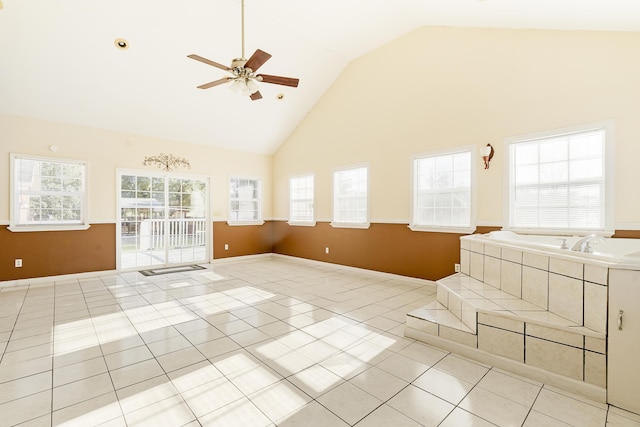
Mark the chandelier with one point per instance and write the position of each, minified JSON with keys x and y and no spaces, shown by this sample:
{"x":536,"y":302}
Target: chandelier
{"x":166,"y":162}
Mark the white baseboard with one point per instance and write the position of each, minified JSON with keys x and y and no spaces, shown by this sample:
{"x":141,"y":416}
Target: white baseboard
{"x":240,"y":258}
{"x":219,"y":261}
{"x":54,"y":279}
{"x":355,"y":269}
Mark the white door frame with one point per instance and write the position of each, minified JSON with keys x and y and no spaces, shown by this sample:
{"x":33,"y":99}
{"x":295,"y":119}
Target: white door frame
{"x":167,"y":175}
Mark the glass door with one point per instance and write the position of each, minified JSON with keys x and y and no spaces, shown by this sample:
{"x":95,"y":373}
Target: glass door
{"x":162,"y":220}
{"x":186,"y":226}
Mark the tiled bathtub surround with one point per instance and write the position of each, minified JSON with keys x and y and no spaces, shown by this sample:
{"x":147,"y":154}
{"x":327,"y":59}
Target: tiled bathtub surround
{"x":562,"y":287}
{"x":534,"y":308}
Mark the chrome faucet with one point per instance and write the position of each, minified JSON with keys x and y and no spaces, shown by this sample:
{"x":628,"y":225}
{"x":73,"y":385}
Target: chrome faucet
{"x":583,"y":245}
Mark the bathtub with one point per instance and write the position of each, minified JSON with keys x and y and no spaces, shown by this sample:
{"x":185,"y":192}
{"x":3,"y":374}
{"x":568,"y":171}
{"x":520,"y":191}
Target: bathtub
{"x":613,"y":250}
{"x":588,"y":297}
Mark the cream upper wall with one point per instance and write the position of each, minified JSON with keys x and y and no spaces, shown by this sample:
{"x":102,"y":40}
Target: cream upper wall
{"x":106,"y":151}
{"x":441,"y":87}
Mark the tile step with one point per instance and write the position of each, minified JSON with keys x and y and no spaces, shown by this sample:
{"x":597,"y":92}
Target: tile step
{"x":460,"y":298}
{"x":438,"y":314}
{"x":464,"y":296}
{"x":436,"y":320}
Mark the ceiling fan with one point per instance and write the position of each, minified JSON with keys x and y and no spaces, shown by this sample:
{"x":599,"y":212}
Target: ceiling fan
{"x":244,"y":71}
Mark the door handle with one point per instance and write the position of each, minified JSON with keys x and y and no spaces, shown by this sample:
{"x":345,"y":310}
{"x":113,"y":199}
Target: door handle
{"x":620,"y":313}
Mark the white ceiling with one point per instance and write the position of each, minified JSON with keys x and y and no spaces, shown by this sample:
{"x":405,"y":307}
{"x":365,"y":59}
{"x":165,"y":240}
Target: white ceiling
{"x":58,"y":60}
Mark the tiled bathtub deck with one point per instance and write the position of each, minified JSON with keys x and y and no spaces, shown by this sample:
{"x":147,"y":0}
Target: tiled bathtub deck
{"x":463,"y":296}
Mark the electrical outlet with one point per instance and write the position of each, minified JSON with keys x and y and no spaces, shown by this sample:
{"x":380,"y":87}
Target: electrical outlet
{"x":326,"y":250}
{"x":226,"y":246}
{"x":18,"y":262}
{"x":456,"y":267}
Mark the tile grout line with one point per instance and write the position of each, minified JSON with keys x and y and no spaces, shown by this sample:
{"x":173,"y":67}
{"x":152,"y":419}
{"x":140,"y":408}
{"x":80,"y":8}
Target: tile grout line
{"x":286,"y":291}
{"x":104,"y":359}
{"x":15,"y":322}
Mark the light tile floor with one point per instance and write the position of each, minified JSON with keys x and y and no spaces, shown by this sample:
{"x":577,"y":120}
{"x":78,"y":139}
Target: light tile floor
{"x":259,"y":342}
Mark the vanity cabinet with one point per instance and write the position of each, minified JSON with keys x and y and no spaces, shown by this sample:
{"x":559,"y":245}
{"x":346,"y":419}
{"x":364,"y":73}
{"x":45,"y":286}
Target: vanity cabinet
{"x":623,"y":370}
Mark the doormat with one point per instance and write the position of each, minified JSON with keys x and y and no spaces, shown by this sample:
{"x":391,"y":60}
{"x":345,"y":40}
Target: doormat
{"x":167,"y":270}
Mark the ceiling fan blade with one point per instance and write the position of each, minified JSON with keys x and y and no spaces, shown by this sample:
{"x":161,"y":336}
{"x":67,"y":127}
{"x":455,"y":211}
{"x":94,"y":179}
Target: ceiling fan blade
{"x":208,"y":61}
{"x":255,"y":96}
{"x":215,"y":83}
{"x":258,"y":58}
{"x":278,"y":80}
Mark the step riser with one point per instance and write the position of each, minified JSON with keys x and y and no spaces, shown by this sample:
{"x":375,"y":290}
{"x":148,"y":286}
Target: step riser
{"x":457,"y":305}
{"x":571,"y":355}
{"x":450,"y":333}
{"x":542,"y":375}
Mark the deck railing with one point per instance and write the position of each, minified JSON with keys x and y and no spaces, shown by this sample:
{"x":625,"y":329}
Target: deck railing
{"x":183,"y":232}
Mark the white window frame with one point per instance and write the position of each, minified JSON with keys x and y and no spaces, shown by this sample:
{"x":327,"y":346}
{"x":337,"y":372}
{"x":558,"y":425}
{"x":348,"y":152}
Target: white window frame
{"x":17,"y":226}
{"x":297,"y":221}
{"x":257,"y":221}
{"x":344,"y":224}
{"x":473,"y":159}
{"x":608,"y":126}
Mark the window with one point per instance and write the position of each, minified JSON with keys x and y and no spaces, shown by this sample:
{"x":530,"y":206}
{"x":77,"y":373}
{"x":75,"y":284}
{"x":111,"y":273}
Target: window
{"x":560,"y":181}
{"x":351,"y":197}
{"x":47,"y":194}
{"x":245,"y":201}
{"x":443,"y":191}
{"x":301,"y":199}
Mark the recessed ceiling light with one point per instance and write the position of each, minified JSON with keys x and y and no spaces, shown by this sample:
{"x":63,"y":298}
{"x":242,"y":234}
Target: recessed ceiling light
{"x":121,"y":44}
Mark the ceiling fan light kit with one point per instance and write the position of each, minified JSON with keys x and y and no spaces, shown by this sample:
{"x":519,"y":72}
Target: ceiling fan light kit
{"x":244,"y":70}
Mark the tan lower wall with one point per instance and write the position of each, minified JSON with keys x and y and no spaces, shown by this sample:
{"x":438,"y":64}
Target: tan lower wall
{"x":627,"y":234}
{"x":242,"y":239}
{"x":390,"y":248}
{"x":53,"y":253}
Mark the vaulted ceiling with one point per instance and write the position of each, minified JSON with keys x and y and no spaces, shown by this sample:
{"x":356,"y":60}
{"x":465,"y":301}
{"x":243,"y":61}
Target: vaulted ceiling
{"x":58,"y":59}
